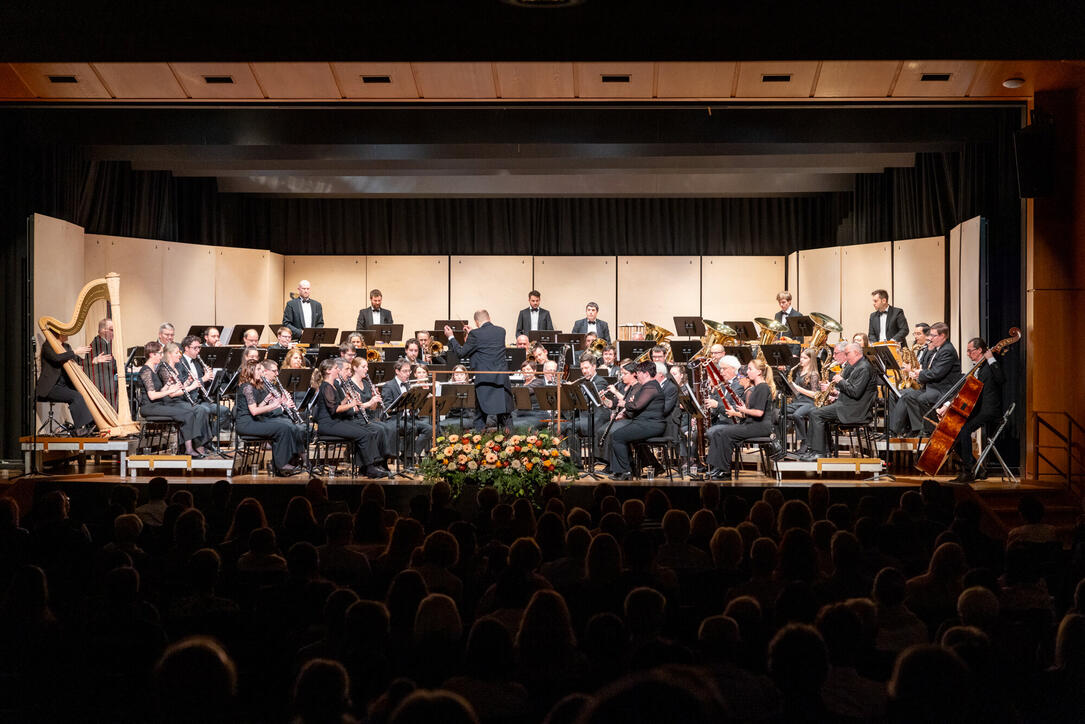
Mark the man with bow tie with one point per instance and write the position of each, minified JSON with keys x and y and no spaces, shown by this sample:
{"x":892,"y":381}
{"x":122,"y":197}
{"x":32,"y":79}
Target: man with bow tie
{"x":886,"y":322}
{"x":302,"y":312}
{"x":374,"y":314}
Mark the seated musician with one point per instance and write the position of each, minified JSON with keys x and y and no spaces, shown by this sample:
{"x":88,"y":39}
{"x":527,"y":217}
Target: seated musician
{"x":195,"y":377}
{"x":643,"y":409}
{"x":261,"y":412}
{"x":728,"y":366}
{"x":347,"y":352}
{"x":99,"y":365}
{"x":540,"y":355}
{"x":334,"y":411}
{"x":680,"y":417}
{"x":988,"y":407}
{"x":160,"y":395}
{"x":753,"y":418}
{"x":609,"y":361}
{"x":412,"y":352}
{"x":411,"y":427}
{"x":861,"y":338}
{"x":251,"y":338}
{"x":941,"y":371}
{"x":857,"y":387}
{"x":425,"y":341}
{"x":294,"y":359}
{"x":805,"y":380}
{"x":211,"y":337}
{"x":369,"y":411}
{"x":614,"y":398}
{"x":284,"y":339}
{"x":592,"y":420}
{"x":54,"y":386}
{"x":459,"y":416}
{"x":251,"y":354}
{"x":165,"y":334}
{"x":356,"y":340}
{"x":533,"y":418}
{"x":589,"y":340}
{"x":523,"y":341}
{"x":659,"y":354}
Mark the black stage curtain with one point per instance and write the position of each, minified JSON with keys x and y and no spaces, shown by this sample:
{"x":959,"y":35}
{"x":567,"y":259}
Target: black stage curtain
{"x":941,"y":190}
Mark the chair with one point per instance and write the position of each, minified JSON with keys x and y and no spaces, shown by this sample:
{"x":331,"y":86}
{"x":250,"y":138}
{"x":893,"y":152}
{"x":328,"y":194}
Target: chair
{"x":664,"y":448}
{"x":156,"y":434}
{"x":858,"y":436}
{"x":248,"y":451}
{"x":766,"y":447}
{"x":52,"y":425}
{"x":331,"y":450}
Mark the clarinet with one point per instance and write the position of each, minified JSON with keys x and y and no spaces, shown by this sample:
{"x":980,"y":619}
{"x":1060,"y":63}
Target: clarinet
{"x":172,"y":375}
{"x":357,"y":394}
{"x":288,"y":407}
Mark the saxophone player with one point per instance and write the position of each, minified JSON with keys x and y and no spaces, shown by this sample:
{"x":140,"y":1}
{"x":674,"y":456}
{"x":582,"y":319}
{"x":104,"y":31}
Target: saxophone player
{"x":858,"y":387}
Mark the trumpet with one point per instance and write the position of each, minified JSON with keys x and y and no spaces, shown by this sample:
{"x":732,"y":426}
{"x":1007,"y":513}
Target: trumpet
{"x":373,"y":355}
{"x":287,"y":401}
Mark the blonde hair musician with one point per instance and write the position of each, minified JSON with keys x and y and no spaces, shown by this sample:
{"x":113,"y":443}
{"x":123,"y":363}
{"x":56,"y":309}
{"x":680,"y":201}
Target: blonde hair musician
{"x":754,"y":418}
{"x":259,"y":412}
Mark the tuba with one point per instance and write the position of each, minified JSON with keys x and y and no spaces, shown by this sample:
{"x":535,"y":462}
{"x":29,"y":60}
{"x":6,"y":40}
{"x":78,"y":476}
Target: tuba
{"x":824,"y":326}
{"x":768,"y":329}
{"x":112,"y":422}
{"x":661,"y":337}
{"x":715,"y":333}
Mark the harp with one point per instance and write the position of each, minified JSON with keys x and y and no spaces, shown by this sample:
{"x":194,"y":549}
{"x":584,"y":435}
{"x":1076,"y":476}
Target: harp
{"x":113,"y":423}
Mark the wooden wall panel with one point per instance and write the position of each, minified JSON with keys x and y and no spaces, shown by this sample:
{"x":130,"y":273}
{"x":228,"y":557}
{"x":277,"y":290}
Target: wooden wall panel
{"x":192,"y":75}
{"x":589,"y":80}
{"x":740,"y":287}
{"x":338,"y":283}
{"x":188,"y":271}
{"x":955,"y":287}
{"x":296,"y":80}
{"x":140,"y":80}
{"x":750,"y":76}
{"x":793,"y":280}
{"x":657,"y":288}
{"x":970,"y":322}
{"x":911,"y":83}
{"x":36,"y":77}
{"x":568,"y":283}
{"x":140,"y":264}
{"x":241,"y":290}
{"x":498,"y":284}
{"x":819,"y":272}
{"x":400,"y":83}
{"x":415,"y":288}
{"x":11,"y":85}
{"x":59,"y":273}
{"x":863,"y":268}
{"x":455,"y":80}
{"x":919,"y":279}
{"x":275,"y":300}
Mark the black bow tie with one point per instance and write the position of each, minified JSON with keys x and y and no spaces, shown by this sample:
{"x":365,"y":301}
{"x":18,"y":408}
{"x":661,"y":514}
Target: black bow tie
{"x":304,"y":301}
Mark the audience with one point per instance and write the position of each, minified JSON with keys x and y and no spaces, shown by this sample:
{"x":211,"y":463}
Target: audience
{"x":522,"y":611}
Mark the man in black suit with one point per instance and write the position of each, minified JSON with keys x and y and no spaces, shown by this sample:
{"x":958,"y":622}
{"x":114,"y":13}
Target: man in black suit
{"x":302,"y":312}
{"x":374,"y":314}
{"x":190,"y":367}
{"x":283,"y":339}
{"x":922,"y":332}
{"x":394,"y":425}
{"x":485,"y":345}
{"x":857,"y":385}
{"x":886,"y":322}
{"x":533,"y":317}
{"x":988,"y":408}
{"x":54,"y":386}
{"x":591,"y":323}
{"x":786,"y":310}
{"x":940,"y":374}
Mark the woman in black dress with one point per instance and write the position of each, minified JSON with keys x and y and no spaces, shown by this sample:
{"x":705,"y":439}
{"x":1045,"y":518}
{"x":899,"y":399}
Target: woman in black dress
{"x":161,"y":395}
{"x":333,"y":411}
{"x":805,"y":381}
{"x":260,"y":411}
{"x":643,"y":407}
{"x":754,"y":419}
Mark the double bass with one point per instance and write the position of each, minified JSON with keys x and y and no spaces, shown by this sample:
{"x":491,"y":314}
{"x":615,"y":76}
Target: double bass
{"x":960,"y":407}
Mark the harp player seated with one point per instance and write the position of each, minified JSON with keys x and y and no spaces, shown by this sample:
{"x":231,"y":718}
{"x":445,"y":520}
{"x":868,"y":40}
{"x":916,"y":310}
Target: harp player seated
{"x":53,"y":384}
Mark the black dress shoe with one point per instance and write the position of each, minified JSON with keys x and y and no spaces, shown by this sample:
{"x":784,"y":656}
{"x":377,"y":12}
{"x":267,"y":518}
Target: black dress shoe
{"x":719,"y":475}
{"x":981,"y":475}
{"x":286,"y":471}
{"x":962,"y":477}
{"x":372,"y":471}
{"x":621,"y":476}
{"x":810,"y":457}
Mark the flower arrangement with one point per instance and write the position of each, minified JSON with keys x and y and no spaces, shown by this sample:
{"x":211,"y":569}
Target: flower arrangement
{"x":517,"y":465}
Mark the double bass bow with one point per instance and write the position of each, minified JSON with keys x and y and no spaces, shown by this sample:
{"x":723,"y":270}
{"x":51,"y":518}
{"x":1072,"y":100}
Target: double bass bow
{"x":960,"y":407}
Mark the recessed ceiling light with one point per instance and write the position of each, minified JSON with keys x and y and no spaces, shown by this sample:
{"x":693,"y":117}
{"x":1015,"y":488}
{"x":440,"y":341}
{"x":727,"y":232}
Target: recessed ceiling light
{"x":218,"y":79}
{"x":63,"y":79}
{"x":1014,"y":82}
{"x":934,"y":77}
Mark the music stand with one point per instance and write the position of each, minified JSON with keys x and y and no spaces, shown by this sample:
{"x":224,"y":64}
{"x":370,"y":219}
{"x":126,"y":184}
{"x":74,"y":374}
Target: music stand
{"x":515,"y":357}
{"x":438,"y":335}
{"x":743,"y":352}
{"x":388,"y":332}
{"x":801,"y":326}
{"x":276,"y":354}
{"x":690,"y":405}
{"x":633,"y":348}
{"x":325,"y":352}
{"x":368,"y":335}
{"x":237,"y":332}
{"x":413,"y":400}
{"x":881,"y":359}
{"x":318,"y":335}
{"x":746,"y":330}
{"x":546,"y":336}
{"x":689,"y":327}
{"x":381,"y":371}
{"x":577,"y":339}
{"x":462,"y":397}
{"x":778,"y":355}
{"x":215,"y":357}
{"x":683,"y":351}
{"x":456,"y":324}
{"x":274,"y":327}
{"x":592,"y":402}
{"x":197,"y":330}
{"x":391,"y":354}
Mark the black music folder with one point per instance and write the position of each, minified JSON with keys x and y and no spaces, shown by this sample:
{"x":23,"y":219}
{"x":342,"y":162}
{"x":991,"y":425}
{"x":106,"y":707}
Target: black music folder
{"x":237,"y":332}
{"x":546,"y":336}
{"x":369,"y":335}
{"x":689,"y":327}
{"x":456,"y":324}
{"x":197,"y":330}
{"x":388,"y":332}
{"x":318,"y":335}
{"x":746,"y":330}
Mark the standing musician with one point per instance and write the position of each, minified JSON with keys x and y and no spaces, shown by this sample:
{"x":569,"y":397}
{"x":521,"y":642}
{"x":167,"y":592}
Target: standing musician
{"x":886,"y":322}
{"x":753,"y":418}
{"x":303,"y":312}
{"x":786,"y":310}
{"x":805,"y":381}
{"x":160,"y":394}
{"x":390,"y":392}
{"x":643,"y":408}
{"x":54,"y":386}
{"x":485,"y":345}
{"x":212,"y":337}
{"x":104,"y":373}
{"x":284,"y":339}
{"x":195,"y":376}
{"x":374,"y":314}
{"x":533,"y":317}
{"x":590,"y":323}
{"x":942,"y":370}
{"x":369,"y":411}
{"x":261,"y":412}
{"x":857,"y":386}
{"x":334,"y":410}
{"x":987,"y":409}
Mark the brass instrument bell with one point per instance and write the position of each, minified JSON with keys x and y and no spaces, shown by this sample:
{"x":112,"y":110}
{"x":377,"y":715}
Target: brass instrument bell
{"x":715,"y":333}
{"x":768,"y":329}
{"x":824,"y":325}
{"x":661,"y":337}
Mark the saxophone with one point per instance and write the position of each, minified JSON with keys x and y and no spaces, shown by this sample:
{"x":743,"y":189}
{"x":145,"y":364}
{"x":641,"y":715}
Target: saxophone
{"x":821,"y":398}
{"x":910,"y":357}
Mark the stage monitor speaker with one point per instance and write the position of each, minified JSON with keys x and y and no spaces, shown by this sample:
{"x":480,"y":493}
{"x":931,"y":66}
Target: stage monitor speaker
{"x":1034,"y":150}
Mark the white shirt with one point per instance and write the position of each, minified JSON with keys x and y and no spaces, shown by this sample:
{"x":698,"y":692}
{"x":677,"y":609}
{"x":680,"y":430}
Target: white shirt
{"x":376,"y":315}
{"x":534,"y":320}
{"x":307,"y":313}
{"x":592,"y":329}
{"x":884,"y":316}
{"x":192,"y":367}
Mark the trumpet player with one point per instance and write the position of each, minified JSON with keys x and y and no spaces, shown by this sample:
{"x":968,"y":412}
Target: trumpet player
{"x":261,"y":412}
{"x":195,"y":376}
{"x":161,"y":394}
{"x":412,"y":352}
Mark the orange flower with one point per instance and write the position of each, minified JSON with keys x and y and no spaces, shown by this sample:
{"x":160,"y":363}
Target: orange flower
{"x":528,"y":466}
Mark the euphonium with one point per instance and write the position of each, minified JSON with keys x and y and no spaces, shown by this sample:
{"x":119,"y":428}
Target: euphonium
{"x":436,"y":348}
{"x":715,"y":333}
{"x":597,"y":347}
{"x":661,"y":337}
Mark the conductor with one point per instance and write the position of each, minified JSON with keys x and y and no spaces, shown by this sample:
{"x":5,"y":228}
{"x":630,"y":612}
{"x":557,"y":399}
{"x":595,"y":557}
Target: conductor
{"x":485,"y":345}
